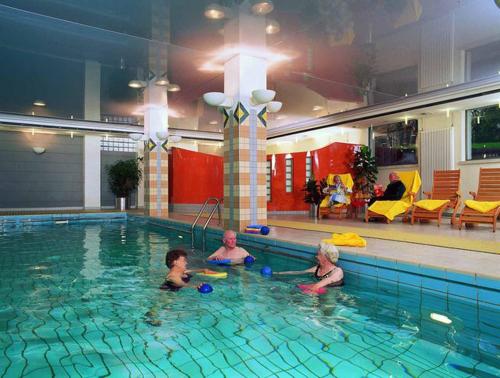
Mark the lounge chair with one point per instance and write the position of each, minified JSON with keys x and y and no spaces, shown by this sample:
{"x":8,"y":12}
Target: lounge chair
{"x":486,"y":201}
{"x":340,"y":210}
{"x":388,"y":210}
{"x":445,"y":195}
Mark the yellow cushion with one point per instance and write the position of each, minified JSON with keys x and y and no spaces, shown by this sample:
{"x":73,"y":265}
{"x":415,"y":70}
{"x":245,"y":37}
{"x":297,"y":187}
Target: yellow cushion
{"x":482,"y":206}
{"x":411,"y":181}
{"x":431,"y":205}
{"x":349,"y":239}
{"x":389,"y":209}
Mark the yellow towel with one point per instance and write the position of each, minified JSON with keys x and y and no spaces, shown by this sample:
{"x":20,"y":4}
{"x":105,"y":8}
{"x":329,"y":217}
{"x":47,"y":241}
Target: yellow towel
{"x":482,"y":206}
{"x":431,"y":205}
{"x":389,"y":208}
{"x":349,"y":239}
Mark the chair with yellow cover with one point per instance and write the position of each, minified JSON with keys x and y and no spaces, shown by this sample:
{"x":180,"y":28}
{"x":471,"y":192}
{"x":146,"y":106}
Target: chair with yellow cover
{"x":388,"y":210}
{"x":340,"y":210}
{"x":485,"y":205}
{"x":445,"y":195}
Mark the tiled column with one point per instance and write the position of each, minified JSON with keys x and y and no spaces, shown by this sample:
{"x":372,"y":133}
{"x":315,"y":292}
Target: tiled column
{"x":155,"y":152}
{"x":245,"y":200}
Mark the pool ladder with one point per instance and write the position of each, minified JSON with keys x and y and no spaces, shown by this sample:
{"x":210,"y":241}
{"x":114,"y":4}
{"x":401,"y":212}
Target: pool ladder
{"x":216,"y":207}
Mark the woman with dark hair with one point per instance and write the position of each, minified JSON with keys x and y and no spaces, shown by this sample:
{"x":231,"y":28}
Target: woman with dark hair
{"x":178,"y":276}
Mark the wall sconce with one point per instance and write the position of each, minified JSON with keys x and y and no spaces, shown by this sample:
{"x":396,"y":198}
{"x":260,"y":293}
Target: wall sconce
{"x":162,"y":135}
{"x":263,"y":96}
{"x":38,"y":150}
{"x":135,"y":136}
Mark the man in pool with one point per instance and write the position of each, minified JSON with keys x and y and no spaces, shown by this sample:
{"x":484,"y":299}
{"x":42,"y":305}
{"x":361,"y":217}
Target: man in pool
{"x":229,"y":251}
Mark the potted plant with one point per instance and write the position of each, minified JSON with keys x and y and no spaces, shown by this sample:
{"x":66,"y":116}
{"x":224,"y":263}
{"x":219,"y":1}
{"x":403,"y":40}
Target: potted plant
{"x":365,"y":171}
{"x":314,"y":195}
{"x":124,"y":177}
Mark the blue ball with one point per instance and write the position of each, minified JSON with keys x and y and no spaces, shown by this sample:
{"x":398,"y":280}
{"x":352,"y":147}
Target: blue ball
{"x":249,"y":260}
{"x":205,"y":289}
{"x":266,"y":271}
{"x":264,"y":230}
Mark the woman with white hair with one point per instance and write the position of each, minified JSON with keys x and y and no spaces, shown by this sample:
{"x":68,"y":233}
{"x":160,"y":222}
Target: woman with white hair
{"x":326,"y":272}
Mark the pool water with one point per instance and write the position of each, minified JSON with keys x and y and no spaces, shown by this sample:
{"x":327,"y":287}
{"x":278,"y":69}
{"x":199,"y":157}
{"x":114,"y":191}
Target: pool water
{"x":83,"y":301}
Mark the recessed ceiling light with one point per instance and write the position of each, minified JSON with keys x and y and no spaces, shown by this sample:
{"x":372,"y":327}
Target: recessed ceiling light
{"x":214,"y":12}
{"x":162,"y":82}
{"x":173,"y":88}
{"x":262,"y":7}
{"x":39,"y":103}
{"x":317,"y":107}
{"x":272,"y":26}
{"x":213,"y":123}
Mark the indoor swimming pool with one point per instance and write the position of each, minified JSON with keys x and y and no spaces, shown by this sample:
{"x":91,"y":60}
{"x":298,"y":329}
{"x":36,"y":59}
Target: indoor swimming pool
{"x":82,"y":300}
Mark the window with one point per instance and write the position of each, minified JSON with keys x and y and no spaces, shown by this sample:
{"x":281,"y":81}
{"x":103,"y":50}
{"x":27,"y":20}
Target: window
{"x":288,"y":173}
{"x":118,"y":144}
{"x":308,"y":167}
{"x":268,"y":179}
{"x":396,"y":143}
{"x":483,"y":133}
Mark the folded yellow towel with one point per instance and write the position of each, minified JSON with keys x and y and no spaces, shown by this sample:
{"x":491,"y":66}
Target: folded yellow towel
{"x":482,"y":206}
{"x":389,"y":209}
{"x":349,"y":239}
{"x":430,"y":204}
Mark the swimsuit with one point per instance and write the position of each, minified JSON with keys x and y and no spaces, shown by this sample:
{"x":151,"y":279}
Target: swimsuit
{"x":319,"y":278}
{"x":171,"y":286}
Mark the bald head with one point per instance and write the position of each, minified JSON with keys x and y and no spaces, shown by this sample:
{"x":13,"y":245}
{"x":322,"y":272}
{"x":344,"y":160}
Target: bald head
{"x":393,"y":176}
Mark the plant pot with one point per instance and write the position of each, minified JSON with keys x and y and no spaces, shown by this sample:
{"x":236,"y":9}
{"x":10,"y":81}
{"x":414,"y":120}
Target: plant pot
{"x":313,"y":211}
{"x":122,"y":203}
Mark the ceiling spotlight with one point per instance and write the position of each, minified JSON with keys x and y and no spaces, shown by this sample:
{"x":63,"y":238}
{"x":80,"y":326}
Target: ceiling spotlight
{"x":213,"y":122}
{"x":317,"y":107}
{"x":214,"y":12}
{"x":39,"y":103}
{"x":262,"y":7}
{"x":272,"y":26}
{"x":173,"y":88}
{"x":137,"y":84}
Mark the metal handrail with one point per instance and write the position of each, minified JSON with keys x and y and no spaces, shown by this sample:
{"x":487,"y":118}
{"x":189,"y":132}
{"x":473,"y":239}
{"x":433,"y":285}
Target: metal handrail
{"x":217,"y":206}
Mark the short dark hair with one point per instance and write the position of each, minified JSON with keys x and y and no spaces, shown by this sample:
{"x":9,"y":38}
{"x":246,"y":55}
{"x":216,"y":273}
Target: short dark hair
{"x":173,"y":255}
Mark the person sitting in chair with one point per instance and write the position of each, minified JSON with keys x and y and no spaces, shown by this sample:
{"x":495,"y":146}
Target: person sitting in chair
{"x":393,"y":192}
{"x":337,"y":192}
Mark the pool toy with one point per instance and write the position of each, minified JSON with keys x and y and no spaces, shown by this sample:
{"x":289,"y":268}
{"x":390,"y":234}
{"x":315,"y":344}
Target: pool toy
{"x":257,"y":229}
{"x":306,"y":289}
{"x":249,"y":260}
{"x":214,"y":274}
{"x":205,"y":289}
{"x":266,"y":271}
{"x":220,"y":262}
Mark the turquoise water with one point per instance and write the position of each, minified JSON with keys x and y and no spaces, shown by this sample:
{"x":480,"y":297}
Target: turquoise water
{"x":83,"y":301}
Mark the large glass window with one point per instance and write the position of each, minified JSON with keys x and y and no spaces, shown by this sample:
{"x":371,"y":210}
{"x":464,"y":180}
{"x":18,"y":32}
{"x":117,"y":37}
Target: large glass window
{"x":396,"y":143}
{"x":483,"y":133}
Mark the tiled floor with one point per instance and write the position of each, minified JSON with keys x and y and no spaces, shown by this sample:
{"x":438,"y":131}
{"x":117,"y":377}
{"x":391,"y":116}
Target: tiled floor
{"x":444,"y":258}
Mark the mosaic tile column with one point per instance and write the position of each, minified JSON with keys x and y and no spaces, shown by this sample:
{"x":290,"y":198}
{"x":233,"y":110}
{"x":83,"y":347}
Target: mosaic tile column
{"x":155,"y":152}
{"x":245,"y":197}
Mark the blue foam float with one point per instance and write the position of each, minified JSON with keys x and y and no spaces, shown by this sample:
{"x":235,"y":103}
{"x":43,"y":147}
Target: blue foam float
{"x":205,"y":289}
{"x":220,"y":262}
{"x":266,"y":271}
{"x":249,"y":260}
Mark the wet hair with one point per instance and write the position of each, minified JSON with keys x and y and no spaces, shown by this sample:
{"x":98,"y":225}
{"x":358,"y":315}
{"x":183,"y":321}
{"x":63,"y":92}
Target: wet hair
{"x":173,"y":256}
{"x":329,"y":251}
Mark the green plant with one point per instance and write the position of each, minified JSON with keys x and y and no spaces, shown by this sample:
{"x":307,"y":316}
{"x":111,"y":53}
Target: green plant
{"x":312,"y":193}
{"x":365,"y":170}
{"x":124,"y":177}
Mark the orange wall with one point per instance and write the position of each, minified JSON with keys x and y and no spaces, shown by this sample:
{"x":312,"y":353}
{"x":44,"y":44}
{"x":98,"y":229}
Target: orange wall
{"x":194,"y":176}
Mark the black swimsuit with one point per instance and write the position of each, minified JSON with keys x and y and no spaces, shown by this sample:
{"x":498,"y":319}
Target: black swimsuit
{"x":319,"y":278}
{"x":172,"y":286}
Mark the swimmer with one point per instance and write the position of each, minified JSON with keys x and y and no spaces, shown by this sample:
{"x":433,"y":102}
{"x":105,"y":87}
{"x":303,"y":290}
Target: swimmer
{"x":229,"y":251}
{"x":179,"y":276}
{"x":325,"y":272}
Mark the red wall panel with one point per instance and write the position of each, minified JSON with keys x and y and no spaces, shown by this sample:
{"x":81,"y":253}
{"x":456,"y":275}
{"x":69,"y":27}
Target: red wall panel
{"x":194,"y":176}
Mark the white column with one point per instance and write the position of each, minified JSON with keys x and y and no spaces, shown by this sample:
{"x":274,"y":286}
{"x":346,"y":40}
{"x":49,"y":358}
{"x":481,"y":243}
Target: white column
{"x":92,"y":94}
{"x":92,"y":171}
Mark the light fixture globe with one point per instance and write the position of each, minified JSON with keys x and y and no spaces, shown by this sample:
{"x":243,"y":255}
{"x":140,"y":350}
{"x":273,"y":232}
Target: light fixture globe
{"x":272,"y":26}
{"x":162,"y":82}
{"x":228,"y":103}
{"x":162,"y":135}
{"x":214,"y":98}
{"x":262,"y":7}
{"x":263,"y":96}
{"x":135,"y":136}
{"x":137,"y":84}
{"x":38,"y":150}
{"x":274,"y":106}
{"x":175,"y":139}
{"x":173,"y":87}
{"x":214,"y":12}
